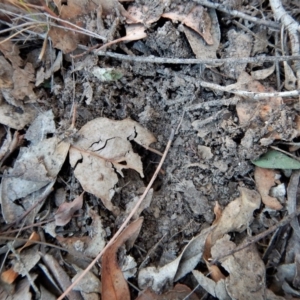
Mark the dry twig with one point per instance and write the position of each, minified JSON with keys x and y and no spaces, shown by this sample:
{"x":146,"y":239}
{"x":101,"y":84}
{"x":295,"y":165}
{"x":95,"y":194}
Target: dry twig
{"x":254,"y":239}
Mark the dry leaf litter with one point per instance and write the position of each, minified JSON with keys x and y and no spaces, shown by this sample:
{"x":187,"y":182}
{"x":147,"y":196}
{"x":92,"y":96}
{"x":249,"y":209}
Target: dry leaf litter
{"x":89,"y":94}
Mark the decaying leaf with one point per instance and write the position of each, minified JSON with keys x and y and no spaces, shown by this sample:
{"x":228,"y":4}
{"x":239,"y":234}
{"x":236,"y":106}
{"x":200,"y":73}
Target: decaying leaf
{"x":238,"y":214}
{"x":216,"y":289}
{"x":263,"y":74}
{"x":200,"y":48}
{"x":240,"y":45}
{"x":290,"y":78}
{"x":145,"y":204}
{"x":17,"y":82}
{"x":103,"y":149}
{"x":43,"y":74}
{"x":197,"y":19}
{"x":160,"y":279}
{"x":61,"y":277}
{"x":246,"y":264}
{"x":114,"y":286}
{"x":67,"y":40}
{"x":66,"y":210}
{"x":88,"y":284}
{"x":34,"y":171}
{"x":33,"y":237}
{"x":140,"y":14}
{"x":16,"y":118}
{"x":28,"y":259}
{"x":88,"y":245}
{"x":9,"y":276}
{"x":134,"y":32}
{"x":264,"y":180}
{"x":179,"y":291}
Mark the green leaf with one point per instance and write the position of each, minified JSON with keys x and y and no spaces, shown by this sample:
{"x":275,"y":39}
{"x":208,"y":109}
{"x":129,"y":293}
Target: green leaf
{"x":276,"y":160}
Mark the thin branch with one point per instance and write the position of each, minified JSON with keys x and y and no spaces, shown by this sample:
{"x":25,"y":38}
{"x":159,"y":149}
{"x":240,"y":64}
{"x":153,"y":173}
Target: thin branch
{"x":165,"y":60}
{"x":246,"y":94}
{"x":219,"y":102}
{"x":256,"y":238}
{"x":238,"y":14}
{"x":125,"y":222}
{"x":292,"y":28}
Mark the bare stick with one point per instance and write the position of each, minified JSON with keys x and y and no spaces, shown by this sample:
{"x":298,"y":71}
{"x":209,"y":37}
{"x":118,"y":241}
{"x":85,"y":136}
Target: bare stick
{"x":125,"y":222}
{"x":219,"y":102}
{"x":236,"y":13}
{"x":256,"y":238}
{"x":246,"y":94}
{"x":292,"y":28}
{"x":165,"y":60}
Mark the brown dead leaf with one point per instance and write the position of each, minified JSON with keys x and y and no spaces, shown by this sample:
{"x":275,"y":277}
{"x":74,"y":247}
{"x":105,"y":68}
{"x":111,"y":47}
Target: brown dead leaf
{"x":90,"y":245}
{"x":264,"y":180}
{"x":114,"y":286}
{"x":9,"y":276}
{"x":246,"y":108}
{"x":140,"y":14}
{"x":12,"y":53}
{"x":33,"y":237}
{"x":104,"y":149}
{"x":197,"y":19}
{"x":66,"y":210}
{"x":72,"y":10}
{"x":180,"y":291}
{"x":238,"y":214}
{"x":133,"y":33}
{"x":16,"y":82}
{"x":247,"y":271}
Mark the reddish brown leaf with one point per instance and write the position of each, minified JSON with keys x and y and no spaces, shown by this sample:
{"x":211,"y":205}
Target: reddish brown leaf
{"x":67,"y":209}
{"x":33,"y":237}
{"x":197,"y":19}
{"x":133,"y":33}
{"x":9,"y":276}
{"x":264,"y":180}
{"x":114,"y":286}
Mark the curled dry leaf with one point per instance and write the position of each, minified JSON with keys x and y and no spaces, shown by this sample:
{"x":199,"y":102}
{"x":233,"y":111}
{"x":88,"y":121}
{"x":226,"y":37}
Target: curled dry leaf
{"x":197,"y":19}
{"x":88,"y":245}
{"x":104,"y":149}
{"x":237,"y":215}
{"x":264,"y":180}
{"x":66,"y":210}
{"x":140,"y":14}
{"x":9,"y":276}
{"x":216,"y":289}
{"x":246,"y":264}
{"x":160,"y":279}
{"x":133,"y":33}
{"x":114,"y":286}
{"x":33,"y":237}
{"x":17,"y":82}
{"x":263,"y":74}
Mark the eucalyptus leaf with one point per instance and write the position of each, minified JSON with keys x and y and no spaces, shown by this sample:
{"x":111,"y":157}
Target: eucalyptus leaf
{"x":276,"y":160}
